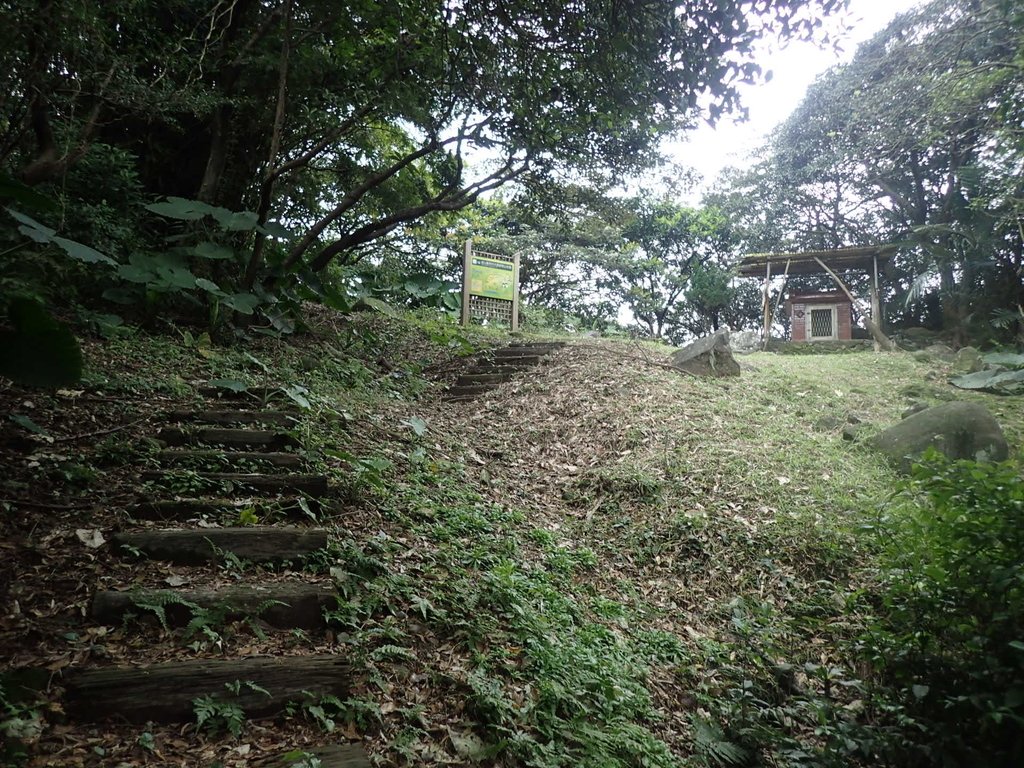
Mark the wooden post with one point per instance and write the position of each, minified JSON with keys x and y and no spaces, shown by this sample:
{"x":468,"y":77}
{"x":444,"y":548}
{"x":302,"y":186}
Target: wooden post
{"x":876,"y":304}
{"x":785,"y":278}
{"x":515,"y":292}
{"x":466,"y":261}
{"x":767,"y":305}
{"x":876,"y":331}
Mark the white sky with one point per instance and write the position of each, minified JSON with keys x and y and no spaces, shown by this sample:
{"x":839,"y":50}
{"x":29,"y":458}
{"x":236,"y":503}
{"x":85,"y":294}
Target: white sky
{"x":794,"y":68}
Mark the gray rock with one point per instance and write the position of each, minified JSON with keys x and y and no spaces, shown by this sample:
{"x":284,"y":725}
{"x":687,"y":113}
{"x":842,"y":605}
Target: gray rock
{"x":745,"y":342}
{"x":959,"y":430}
{"x":853,"y":432}
{"x":967,"y":360}
{"x":914,"y":408}
{"x":940,"y":351}
{"x":827,"y":423}
{"x":707,"y":356}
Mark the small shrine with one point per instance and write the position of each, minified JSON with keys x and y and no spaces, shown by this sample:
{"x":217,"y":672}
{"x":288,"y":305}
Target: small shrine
{"x":820,"y":317}
{"x":826,"y":316}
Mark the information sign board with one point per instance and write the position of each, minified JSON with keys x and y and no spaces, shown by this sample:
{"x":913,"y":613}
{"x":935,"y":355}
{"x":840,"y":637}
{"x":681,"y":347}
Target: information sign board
{"x":492,"y":278}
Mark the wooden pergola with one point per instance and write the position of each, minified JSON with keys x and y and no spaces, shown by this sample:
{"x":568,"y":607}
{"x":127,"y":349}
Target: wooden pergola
{"x":834,"y":262}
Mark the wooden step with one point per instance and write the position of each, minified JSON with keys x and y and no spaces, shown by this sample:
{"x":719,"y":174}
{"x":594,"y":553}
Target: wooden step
{"x":227,"y":417}
{"x":497,"y":368}
{"x":335,"y":756}
{"x":252,"y":394}
{"x":226,"y":458}
{"x":235,"y":438}
{"x":520,"y":359}
{"x":165,"y":692}
{"x":470,"y":391}
{"x":285,"y":605}
{"x":257,"y":543}
{"x":538,"y":348}
{"x":312,"y":485}
{"x":187,"y":509}
{"x":469,"y":379}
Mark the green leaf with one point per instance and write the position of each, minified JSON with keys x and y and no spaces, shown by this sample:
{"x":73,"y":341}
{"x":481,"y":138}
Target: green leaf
{"x":274,"y":229}
{"x":417,"y":425}
{"x":26,"y":423}
{"x":1002,"y":382}
{"x":32,"y":228}
{"x":83,"y":253}
{"x":1007,"y":359}
{"x":38,"y":351}
{"x":213,"y":251}
{"x":297,"y":393}
{"x":209,"y":286}
{"x":234,"y":385}
{"x":175,"y":277}
{"x":370,"y":303}
{"x":920,"y":691}
{"x":181,"y":208}
{"x":242,"y":221}
{"x":242,"y":302}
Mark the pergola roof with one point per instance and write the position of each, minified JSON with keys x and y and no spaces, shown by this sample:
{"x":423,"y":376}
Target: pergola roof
{"x":804,"y":263}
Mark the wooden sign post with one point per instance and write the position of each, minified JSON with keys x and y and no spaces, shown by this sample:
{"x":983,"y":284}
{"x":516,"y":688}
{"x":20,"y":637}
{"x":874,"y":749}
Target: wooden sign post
{"x":490,"y":288}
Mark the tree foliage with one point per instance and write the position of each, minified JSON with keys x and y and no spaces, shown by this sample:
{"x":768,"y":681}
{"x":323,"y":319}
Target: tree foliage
{"x":917,"y":140}
{"x":351,"y":120}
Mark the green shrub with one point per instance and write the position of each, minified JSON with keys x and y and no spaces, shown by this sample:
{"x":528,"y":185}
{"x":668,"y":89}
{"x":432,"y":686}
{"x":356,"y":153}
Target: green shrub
{"x":950,"y":634}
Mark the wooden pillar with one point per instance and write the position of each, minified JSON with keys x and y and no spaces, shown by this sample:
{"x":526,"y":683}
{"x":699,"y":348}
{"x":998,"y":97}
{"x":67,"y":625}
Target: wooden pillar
{"x":515,"y":292}
{"x":766,"y":334}
{"x":876,"y":304}
{"x":466,"y":260}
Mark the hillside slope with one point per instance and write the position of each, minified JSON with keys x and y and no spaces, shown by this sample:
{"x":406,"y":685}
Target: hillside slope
{"x":601,"y":563}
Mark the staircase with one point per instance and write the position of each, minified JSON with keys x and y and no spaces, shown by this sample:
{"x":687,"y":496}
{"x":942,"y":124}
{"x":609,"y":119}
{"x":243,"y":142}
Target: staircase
{"x":498,"y":367}
{"x":255,"y":462}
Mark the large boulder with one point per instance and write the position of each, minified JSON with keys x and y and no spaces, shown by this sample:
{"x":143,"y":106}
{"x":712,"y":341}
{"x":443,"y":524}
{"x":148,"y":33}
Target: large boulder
{"x":745,"y":342}
{"x":959,"y":430}
{"x":967,"y":360}
{"x":707,"y":356}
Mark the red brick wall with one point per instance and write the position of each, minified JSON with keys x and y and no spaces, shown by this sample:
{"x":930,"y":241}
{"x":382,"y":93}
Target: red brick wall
{"x":799,"y":319}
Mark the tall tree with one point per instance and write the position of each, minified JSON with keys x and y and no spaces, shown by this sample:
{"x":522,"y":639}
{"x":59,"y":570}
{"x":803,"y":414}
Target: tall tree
{"x":916,"y":140}
{"x":349,"y":120}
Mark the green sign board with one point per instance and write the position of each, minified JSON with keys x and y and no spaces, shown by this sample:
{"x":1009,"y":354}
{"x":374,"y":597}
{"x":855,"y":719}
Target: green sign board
{"x":493,"y":278}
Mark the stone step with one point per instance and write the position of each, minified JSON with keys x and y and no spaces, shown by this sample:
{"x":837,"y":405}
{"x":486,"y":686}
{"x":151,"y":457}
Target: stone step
{"x":227,"y":417}
{"x":334,"y":756}
{"x":257,"y":543}
{"x":208,"y":456}
{"x":470,"y":379}
{"x":311,"y":485}
{"x":185,"y":509}
{"x":285,"y":605}
{"x":164,"y":693}
{"x":235,"y":438}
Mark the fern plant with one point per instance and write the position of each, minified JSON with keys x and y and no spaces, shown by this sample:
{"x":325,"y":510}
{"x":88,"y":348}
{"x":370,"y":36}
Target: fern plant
{"x":713,"y":746}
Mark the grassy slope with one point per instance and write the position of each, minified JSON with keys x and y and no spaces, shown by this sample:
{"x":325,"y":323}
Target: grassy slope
{"x":606,"y":563}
